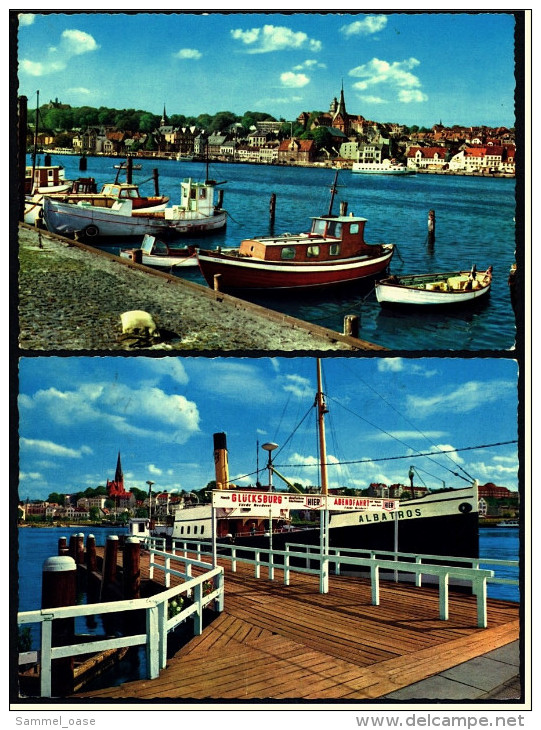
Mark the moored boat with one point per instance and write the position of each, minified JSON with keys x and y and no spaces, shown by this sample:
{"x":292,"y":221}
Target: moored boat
{"x":386,"y":167}
{"x":196,"y":214}
{"x":441,"y":289}
{"x":161,"y":254}
{"x":333,"y":252}
{"x":508,"y":523}
{"x":45,"y":179}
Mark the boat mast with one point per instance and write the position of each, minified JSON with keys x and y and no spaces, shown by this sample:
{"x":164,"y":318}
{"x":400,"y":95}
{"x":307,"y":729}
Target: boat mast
{"x":321,"y":410}
{"x":333,"y":192}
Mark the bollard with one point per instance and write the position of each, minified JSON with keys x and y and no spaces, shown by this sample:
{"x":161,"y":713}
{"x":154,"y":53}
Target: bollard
{"x":272,"y":208}
{"x":217,"y":278}
{"x":63,"y":546}
{"x":82,"y":163}
{"x":131,"y":568}
{"x":72,"y":550}
{"x":352,"y":325}
{"x":156,"y":183}
{"x":59,"y":588}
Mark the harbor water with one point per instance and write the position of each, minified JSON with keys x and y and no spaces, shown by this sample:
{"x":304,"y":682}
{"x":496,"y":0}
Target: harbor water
{"x":475,"y":224}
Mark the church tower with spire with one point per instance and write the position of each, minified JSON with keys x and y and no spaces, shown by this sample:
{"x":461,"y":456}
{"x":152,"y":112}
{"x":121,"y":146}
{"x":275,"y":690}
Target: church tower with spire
{"x":115,"y":488}
{"x":341,"y":117}
{"x":163,"y":121}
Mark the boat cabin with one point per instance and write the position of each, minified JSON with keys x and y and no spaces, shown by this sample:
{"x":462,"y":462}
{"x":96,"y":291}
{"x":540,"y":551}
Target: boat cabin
{"x":331,"y":237}
{"x":51,"y":176}
{"x":197,"y":197}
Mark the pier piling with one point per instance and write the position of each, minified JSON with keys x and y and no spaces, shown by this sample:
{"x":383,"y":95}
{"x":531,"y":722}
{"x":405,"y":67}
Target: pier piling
{"x":63,"y":546}
{"x":431,"y":227}
{"x":131,"y":568}
{"x":59,"y":588}
{"x":155,"y":177}
{"x":109,"y":567}
{"x":272,"y":208}
{"x":352,"y":325}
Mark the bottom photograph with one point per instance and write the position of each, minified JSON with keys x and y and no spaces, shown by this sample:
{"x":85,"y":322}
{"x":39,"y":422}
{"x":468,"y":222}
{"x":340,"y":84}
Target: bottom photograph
{"x":266,"y":530}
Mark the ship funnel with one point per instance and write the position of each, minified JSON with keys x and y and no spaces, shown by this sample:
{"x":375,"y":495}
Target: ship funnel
{"x":220,"y":461}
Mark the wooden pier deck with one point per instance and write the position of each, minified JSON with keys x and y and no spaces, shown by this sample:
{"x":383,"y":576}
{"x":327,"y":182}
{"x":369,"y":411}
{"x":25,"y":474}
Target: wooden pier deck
{"x":287,"y":643}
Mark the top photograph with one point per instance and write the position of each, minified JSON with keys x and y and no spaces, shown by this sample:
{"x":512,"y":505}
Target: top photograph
{"x":269,"y":182}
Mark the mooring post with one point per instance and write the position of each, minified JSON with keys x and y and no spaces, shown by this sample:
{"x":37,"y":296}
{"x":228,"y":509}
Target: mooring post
{"x":109,"y":565}
{"x":91,"y":562}
{"x":63,"y":546}
{"x":343,"y":207}
{"x":217,"y":278}
{"x":352,"y":325}
{"x":59,"y":588}
{"x":80,"y":548}
{"x":156,"y":182}
{"x":47,"y":160}
{"x":431,"y":226}
{"x":131,"y":568}
{"x":72,"y":550}
{"x":220,"y":198}
{"x":272,"y":208}
{"x":82,"y":163}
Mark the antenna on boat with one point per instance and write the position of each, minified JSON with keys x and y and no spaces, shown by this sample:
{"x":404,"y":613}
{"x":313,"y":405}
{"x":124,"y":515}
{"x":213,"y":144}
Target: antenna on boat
{"x":321,"y":410}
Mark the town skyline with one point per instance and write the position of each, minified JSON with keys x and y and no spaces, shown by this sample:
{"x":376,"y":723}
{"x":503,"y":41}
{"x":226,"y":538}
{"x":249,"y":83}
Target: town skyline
{"x":397,"y":67}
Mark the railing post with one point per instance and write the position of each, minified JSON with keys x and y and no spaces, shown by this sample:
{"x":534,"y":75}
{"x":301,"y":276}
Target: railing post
{"x":153,"y":642}
{"x":167,"y":574}
{"x":257,"y":565}
{"x":46,"y":643}
{"x":444,"y":596}
{"x":219,"y":602}
{"x":419,"y":575}
{"x":286,"y":567}
{"x":337,"y":562}
{"x":233,"y":559}
{"x":271,"y":564}
{"x":374,"y":583}
{"x":480,"y":590}
{"x":162,"y":629}
{"x":324,"y":574}
{"x":198,"y":618}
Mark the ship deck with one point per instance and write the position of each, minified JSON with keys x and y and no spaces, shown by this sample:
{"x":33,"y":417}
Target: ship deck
{"x":278,"y":643}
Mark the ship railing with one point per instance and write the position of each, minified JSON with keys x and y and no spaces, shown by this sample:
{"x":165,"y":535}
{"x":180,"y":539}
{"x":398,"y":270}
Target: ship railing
{"x":419,"y":558}
{"x":282,"y":560}
{"x":158,"y":622}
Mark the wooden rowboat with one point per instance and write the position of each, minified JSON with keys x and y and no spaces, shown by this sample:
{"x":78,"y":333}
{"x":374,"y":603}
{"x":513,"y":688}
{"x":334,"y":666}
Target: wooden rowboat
{"x":455,"y":287}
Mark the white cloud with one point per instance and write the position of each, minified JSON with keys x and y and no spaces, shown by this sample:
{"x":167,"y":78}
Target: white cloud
{"x":156,"y":471}
{"x":391,"y":364}
{"x":80,"y":90}
{"x":373,"y":100}
{"x":467,"y":397}
{"x":274,"y":38}
{"x":297,"y":385}
{"x":190,"y":53}
{"x":396,"y":75}
{"x":371,"y":24}
{"x":309,"y":63}
{"x":49,"y":447}
{"x":26,"y":19}
{"x":294,"y":81}
{"x":73,"y":43}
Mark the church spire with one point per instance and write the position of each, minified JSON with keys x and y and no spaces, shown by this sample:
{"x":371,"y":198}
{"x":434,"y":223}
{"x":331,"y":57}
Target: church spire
{"x":119,"y":476}
{"x":164,"y":117}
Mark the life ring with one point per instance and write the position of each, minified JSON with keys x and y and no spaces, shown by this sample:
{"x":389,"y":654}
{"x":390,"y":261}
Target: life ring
{"x":91,"y":231}
{"x":465,"y":508}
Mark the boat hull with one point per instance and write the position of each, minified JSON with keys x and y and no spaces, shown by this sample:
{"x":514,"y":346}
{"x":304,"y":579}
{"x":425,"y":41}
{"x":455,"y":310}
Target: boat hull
{"x":382,"y":171}
{"x":245,"y":273}
{"x":391,"y":293}
{"x":184,"y":260}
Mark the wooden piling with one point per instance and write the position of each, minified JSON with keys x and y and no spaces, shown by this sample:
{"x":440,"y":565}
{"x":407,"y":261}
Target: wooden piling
{"x":109,"y":566}
{"x":80,"y":549}
{"x":431,"y":226}
{"x":156,"y":182}
{"x":59,"y":588}
{"x":63,"y":546}
{"x":352,"y":325}
{"x":47,"y":160}
{"x":129,"y":170}
{"x":272,"y":208}
{"x":82,"y":163}
{"x":91,"y":562}
{"x":131,"y":568}
{"x":72,"y":549}
{"x":343,"y":207}
{"x":217,"y":278}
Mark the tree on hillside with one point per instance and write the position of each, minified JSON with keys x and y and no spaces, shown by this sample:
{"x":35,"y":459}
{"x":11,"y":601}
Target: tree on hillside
{"x":222,"y":120}
{"x":85,"y":116}
{"x":55,"y":498}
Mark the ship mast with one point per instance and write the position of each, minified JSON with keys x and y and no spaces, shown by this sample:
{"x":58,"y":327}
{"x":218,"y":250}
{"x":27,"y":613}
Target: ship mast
{"x":333,"y":193}
{"x":321,"y":410}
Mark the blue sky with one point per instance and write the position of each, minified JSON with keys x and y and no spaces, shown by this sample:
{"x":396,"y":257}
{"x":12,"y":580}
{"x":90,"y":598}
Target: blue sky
{"x":77,"y":413}
{"x":416,"y":68}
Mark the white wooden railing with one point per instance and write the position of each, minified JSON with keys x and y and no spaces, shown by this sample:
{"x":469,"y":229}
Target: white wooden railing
{"x":281,"y":559}
{"x":158,"y":624}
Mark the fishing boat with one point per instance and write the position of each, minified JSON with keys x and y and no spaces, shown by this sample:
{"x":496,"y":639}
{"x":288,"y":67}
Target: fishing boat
{"x":196,"y":214}
{"x":333,"y":252}
{"x":45,"y":179}
{"x":161,"y":254}
{"x":84,"y":190}
{"x":386,"y":167}
{"x":438,"y":523}
{"x":449,"y":288}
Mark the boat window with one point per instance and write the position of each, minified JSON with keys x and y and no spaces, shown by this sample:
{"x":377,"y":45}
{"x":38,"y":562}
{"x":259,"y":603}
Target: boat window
{"x":192,"y":193}
{"x":318,"y":226}
{"x":141,"y":526}
{"x":202,"y":529}
{"x":132,"y":193}
{"x":354,"y":228}
{"x":334,"y":229}
{"x":288,"y":252}
{"x":334,"y":249}
{"x":160,"y":247}
{"x":188,"y":530}
{"x":182,"y":530}
{"x":195,"y":529}
{"x":202,"y":193}
{"x":312,"y":251}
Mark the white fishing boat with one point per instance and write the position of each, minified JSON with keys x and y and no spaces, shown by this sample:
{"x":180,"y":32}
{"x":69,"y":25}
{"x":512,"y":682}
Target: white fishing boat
{"x":386,"y":167}
{"x":508,"y":523}
{"x":45,"y":179}
{"x":161,"y":254}
{"x":197,"y":214}
{"x":441,"y":289}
